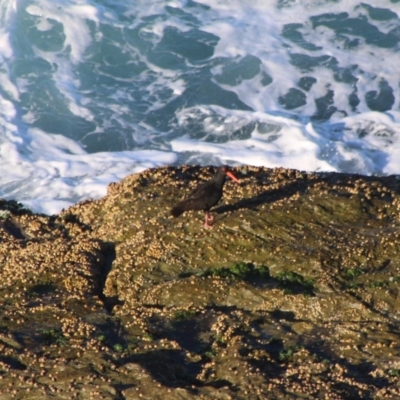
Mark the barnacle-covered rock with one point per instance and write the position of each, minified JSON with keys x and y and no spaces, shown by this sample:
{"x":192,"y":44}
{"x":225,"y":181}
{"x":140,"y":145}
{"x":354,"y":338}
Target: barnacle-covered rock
{"x":292,"y":294}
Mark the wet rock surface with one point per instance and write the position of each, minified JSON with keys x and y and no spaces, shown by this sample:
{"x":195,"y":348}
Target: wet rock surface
{"x":294,"y":293}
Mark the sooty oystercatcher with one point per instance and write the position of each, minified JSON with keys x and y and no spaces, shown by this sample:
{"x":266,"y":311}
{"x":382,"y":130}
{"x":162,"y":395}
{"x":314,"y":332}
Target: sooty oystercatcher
{"x":205,"y":196}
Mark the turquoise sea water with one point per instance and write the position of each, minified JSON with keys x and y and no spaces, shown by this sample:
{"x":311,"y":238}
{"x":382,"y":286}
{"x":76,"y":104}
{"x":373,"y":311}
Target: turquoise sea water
{"x":91,"y":91}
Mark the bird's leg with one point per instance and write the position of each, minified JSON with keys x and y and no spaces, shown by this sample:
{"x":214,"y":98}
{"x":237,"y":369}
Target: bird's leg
{"x":209,"y":218}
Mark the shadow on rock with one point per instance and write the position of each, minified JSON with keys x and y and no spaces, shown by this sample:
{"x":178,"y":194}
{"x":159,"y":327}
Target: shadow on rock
{"x":169,"y":367}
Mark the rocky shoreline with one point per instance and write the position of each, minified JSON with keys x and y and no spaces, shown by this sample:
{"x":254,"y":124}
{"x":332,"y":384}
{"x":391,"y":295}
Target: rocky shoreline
{"x":293,"y":294}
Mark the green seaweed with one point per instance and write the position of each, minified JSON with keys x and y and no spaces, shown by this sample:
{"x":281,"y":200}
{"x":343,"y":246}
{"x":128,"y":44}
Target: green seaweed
{"x":352,"y":273}
{"x":393,"y":372}
{"x":294,"y":283}
{"x":287,"y":354}
{"x":239,"y":271}
{"x":184,"y":315}
{"x":118,"y":348}
{"x":53,"y":336}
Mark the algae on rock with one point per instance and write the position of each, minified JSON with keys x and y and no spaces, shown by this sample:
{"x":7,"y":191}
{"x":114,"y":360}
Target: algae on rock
{"x":293,"y":294}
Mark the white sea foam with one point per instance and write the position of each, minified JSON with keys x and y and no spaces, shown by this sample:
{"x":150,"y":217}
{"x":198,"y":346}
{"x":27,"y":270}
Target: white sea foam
{"x":256,"y":29}
{"x":365,"y":144}
{"x":73,"y":18}
{"x":55,"y":172}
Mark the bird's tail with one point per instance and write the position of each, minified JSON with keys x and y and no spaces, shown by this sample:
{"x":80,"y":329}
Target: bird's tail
{"x":176,"y":211}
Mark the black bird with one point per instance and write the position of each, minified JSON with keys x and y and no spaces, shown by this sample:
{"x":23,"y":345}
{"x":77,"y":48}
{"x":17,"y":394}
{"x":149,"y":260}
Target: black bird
{"x":205,"y":196}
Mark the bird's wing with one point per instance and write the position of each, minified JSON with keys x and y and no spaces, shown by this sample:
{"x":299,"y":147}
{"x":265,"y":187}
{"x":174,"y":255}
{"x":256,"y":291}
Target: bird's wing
{"x":202,"y":191}
{"x":196,"y":200}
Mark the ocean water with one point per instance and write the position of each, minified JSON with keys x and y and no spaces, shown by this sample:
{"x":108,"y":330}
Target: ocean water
{"x":93,"y":90}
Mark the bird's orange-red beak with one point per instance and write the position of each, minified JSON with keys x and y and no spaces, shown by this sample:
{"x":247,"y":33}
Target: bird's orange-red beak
{"x":230,"y":174}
